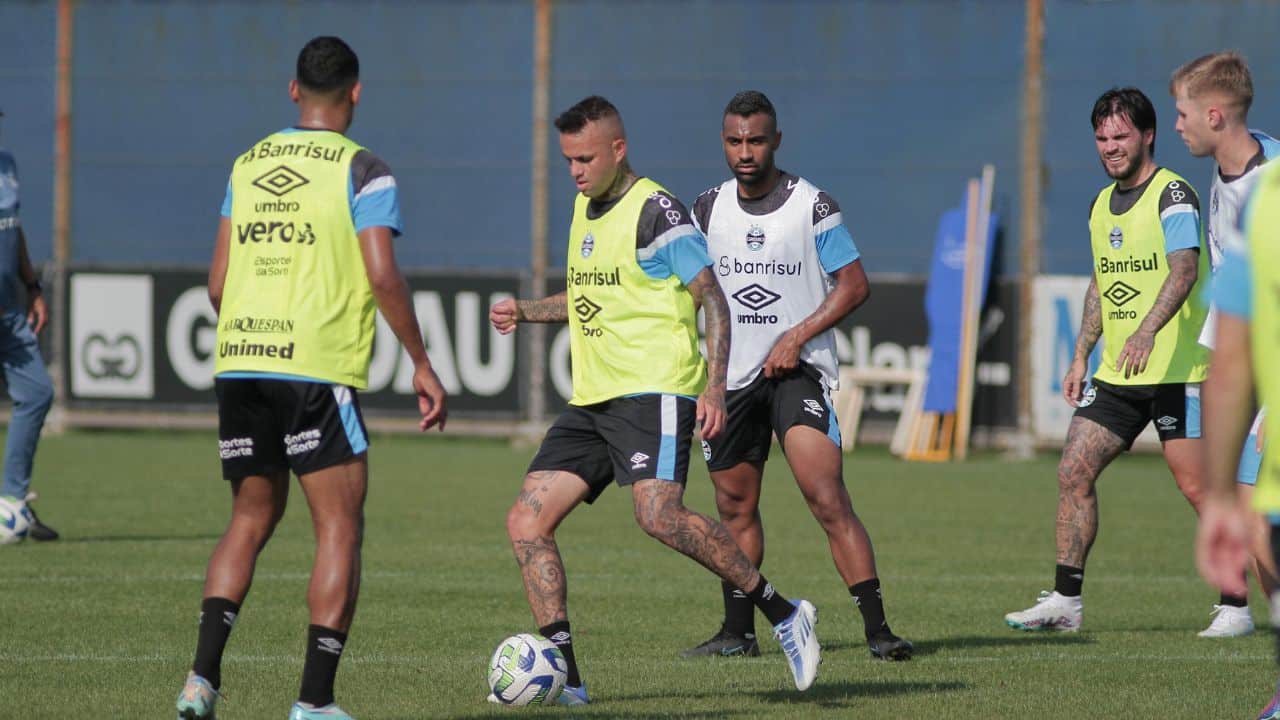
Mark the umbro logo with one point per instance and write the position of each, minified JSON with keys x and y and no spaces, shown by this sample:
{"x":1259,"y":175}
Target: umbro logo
{"x":229,"y":618}
{"x":639,"y":460}
{"x":281,"y":181}
{"x":756,"y":297}
{"x":1167,"y":421}
{"x":1119,"y":293}
{"x":813,"y":407}
{"x":333,"y":646}
{"x":586,"y":309}
{"x":559,"y":638}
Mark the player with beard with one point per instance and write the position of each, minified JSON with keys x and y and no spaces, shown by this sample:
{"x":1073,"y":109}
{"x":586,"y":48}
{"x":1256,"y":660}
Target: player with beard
{"x":1212,"y":95}
{"x":1148,"y":253}
{"x":790,"y":267}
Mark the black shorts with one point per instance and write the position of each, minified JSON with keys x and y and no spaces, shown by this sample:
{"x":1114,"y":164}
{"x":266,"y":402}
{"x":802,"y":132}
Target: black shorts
{"x":770,"y":405}
{"x":1126,"y":409}
{"x":267,"y":426}
{"x":627,"y":439}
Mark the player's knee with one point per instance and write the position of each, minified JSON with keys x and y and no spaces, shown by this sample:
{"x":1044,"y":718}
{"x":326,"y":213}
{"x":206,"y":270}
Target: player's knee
{"x":656,"y":519}
{"x":521,"y":522}
{"x":735,"y":509}
{"x":831,"y":509}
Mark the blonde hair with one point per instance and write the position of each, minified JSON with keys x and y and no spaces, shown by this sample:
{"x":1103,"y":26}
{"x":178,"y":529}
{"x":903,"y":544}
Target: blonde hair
{"x":1225,"y":73}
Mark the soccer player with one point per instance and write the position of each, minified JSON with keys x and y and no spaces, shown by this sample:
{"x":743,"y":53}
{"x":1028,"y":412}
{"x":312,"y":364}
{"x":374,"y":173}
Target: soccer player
{"x":304,"y":255}
{"x":1148,"y":253}
{"x":1245,"y":357}
{"x":24,"y":372}
{"x":787,"y":261}
{"x":1212,"y":95}
{"x":636,"y":267}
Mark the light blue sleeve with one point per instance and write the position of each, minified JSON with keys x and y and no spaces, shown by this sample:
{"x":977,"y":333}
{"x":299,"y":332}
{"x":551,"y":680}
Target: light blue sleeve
{"x":836,"y":248}
{"x":377,"y":205}
{"x":226,"y":201}
{"x":1181,"y":230}
{"x":684,"y":256}
{"x":1232,"y":288}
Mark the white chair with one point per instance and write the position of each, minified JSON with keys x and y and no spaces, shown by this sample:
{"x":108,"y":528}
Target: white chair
{"x":852,"y":396}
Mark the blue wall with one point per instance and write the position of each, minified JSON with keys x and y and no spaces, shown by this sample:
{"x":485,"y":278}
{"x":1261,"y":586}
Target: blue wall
{"x":889,"y":106}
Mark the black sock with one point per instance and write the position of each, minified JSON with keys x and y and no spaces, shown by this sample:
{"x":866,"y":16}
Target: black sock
{"x":324,"y":650}
{"x":1068,"y":580}
{"x":739,"y":612}
{"x":771,"y":603}
{"x":217,"y":615}
{"x":1233,"y":600}
{"x":558,"y":633}
{"x":866,"y":595}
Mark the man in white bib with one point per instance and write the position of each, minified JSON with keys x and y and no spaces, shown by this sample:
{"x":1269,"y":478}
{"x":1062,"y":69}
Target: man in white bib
{"x":1212,"y":95}
{"x":791,"y":272}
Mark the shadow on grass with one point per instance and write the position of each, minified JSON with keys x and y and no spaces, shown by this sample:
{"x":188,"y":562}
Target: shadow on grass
{"x":825,"y":694}
{"x":829,"y":693}
{"x":974,"y":642}
{"x":134,"y":538}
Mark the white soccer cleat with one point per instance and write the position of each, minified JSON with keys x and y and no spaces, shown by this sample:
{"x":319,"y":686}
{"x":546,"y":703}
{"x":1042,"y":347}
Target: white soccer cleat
{"x":1228,"y":621}
{"x":1053,"y":611}
{"x":799,"y":641}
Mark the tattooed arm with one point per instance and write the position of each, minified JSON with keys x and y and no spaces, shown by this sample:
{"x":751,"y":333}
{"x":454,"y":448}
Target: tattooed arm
{"x":706,"y":290}
{"x":506,"y":314}
{"x":851,"y":290}
{"x":1090,"y":331}
{"x":1183,"y":270}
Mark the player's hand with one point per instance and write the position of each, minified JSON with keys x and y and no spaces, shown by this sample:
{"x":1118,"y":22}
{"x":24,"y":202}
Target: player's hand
{"x":784,"y":356}
{"x":711,"y":413}
{"x":1222,"y":545}
{"x":1073,"y":383}
{"x":504,"y":316}
{"x":1137,"y":349}
{"x":431,"y":398}
{"x":37,"y":313}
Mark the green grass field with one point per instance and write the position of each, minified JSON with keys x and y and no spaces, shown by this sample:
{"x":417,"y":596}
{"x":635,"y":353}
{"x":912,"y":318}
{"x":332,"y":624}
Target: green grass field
{"x":102,"y":624}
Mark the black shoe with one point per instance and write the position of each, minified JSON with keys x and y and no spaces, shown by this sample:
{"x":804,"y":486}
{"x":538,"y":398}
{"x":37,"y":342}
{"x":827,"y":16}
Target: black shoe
{"x":726,"y":644}
{"x":889,"y":647}
{"x":39,"y":531}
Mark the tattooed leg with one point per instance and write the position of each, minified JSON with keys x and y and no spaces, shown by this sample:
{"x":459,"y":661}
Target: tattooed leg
{"x":545,"y":500}
{"x":660,"y":511}
{"x":1089,"y":449}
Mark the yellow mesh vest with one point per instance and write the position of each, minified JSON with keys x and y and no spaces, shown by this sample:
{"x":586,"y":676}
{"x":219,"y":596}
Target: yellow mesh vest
{"x":296,"y":299}
{"x":1129,"y":265}
{"x":629,"y":333}
{"x":1261,"y":234}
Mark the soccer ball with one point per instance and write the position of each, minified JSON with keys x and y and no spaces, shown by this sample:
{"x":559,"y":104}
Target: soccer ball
{"x":15,"y":521}
{"x":527,"y":669}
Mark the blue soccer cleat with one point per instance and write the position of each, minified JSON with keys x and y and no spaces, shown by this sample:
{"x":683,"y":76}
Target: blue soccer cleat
{"x":574,"y":695}
{"x":326,"y":712}
{"x":799,"y":641}
{"x":197,"y":699}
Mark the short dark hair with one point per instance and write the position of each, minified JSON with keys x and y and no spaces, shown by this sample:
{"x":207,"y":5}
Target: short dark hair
{"x":328,"y":65}
{"x":588,"y":109}
{"x":750,"y":102}
{"x":1131,"y":104}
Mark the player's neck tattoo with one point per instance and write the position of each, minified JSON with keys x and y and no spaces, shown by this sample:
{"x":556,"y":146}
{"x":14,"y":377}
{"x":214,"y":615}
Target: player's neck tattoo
{"x":622,"y":182}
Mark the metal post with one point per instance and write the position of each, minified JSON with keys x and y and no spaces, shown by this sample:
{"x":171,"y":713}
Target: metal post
{"x":536,"y":399}
{"x":61,"y":213}
{"x":1031,"y":224}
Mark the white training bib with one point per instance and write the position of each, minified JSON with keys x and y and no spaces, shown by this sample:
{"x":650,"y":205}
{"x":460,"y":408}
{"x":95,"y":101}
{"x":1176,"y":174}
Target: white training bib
{"x":769,"y":269}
